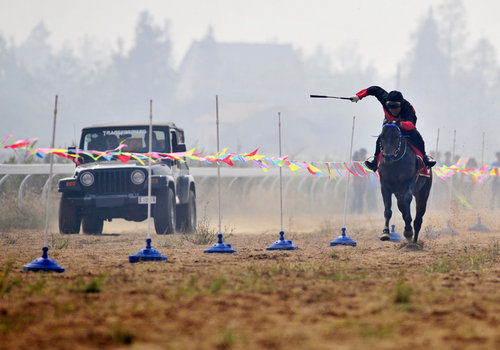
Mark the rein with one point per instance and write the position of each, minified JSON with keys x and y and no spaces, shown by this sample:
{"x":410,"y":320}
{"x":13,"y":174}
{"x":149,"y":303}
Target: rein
{"x":404,"y":152}
{"x":393,"y":156}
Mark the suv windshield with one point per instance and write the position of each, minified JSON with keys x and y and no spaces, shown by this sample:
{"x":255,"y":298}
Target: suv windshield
{"x":135,"y":139}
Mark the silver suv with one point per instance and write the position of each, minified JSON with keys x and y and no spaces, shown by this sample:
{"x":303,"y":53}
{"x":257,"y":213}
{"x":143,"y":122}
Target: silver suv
{"x":107,"y":187}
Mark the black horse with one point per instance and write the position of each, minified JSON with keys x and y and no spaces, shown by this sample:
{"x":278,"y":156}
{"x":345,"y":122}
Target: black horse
{"x":399,"y":175}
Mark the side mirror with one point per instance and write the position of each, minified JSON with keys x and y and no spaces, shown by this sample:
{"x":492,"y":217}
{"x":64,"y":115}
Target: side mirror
{"x":181,"y":147}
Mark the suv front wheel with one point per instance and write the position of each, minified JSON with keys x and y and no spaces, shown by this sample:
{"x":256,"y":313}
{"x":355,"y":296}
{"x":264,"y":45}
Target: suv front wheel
{"x":186,"y":215}
{"x":69,"y":218}
{"x":164,"y":211}
{"x":92,"y":225}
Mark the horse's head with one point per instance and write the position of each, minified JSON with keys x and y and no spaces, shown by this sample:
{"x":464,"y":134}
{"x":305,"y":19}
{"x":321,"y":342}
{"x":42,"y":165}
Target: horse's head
{"x":390,"y":141}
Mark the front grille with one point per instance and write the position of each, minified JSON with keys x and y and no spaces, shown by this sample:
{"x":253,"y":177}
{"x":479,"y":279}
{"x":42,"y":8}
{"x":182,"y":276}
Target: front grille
{"x":112,"y":181}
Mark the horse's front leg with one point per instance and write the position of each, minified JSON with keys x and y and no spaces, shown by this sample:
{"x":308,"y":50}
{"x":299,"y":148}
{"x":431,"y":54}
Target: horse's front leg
{"x":387,"y":197}
{"x":404,"y":205}
{"x":421,"y":197}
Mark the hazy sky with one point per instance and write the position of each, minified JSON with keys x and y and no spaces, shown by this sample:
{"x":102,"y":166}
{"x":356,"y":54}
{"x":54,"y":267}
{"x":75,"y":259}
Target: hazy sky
{"x":379,"y":29}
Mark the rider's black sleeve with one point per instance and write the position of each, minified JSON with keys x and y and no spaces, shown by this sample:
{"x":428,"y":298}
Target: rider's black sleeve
{"x":379,"y":93}
{"x":407,"y":111}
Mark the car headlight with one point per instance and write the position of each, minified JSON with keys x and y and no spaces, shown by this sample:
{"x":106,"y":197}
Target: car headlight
{"x":87,"y":179}
{"x":137,"y":177}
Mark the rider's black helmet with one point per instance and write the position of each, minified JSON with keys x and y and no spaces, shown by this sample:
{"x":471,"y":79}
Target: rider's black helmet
{"x":394,"y":99}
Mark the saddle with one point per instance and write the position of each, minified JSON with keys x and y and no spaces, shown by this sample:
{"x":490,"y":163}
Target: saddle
{"x":422,"y":169}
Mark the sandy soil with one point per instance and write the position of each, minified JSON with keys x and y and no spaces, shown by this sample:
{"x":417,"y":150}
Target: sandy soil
{"x":377,"y":295}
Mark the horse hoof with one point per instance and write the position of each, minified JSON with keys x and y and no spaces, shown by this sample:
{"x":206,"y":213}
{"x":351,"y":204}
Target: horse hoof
{"x":385,"y":237}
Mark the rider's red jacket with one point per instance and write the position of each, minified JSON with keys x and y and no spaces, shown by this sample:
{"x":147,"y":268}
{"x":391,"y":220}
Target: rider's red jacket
{"x":407,"y":114}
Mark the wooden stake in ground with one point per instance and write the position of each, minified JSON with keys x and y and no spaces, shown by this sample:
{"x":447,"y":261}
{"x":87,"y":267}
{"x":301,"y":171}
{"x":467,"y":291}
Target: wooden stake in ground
{"x":44,"y":263}
{"x":220,"y":246}
{"x":51,"y":170}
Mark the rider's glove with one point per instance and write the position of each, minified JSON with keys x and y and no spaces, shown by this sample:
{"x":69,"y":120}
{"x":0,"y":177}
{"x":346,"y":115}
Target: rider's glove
{"x":354,"y":98}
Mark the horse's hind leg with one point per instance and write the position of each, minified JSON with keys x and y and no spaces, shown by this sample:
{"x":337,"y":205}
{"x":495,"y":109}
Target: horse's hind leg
{"x":421,"y":202}
{"x":404,"y":203}
{"x":387,"y":197}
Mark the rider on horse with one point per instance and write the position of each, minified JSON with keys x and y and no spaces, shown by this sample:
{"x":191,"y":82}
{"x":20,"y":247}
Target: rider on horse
{"x":400,"y":111}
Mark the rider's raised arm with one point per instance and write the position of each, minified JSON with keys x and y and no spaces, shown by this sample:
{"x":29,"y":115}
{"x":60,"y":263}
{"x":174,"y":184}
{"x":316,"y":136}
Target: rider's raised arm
{"x":376,"y":91}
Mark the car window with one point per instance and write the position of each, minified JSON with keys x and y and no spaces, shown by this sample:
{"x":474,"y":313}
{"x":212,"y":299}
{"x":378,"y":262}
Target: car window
{"x":134,"y":139}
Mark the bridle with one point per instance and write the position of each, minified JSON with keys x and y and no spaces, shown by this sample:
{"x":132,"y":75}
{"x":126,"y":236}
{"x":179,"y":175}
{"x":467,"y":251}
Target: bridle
{"x":394,"y":155}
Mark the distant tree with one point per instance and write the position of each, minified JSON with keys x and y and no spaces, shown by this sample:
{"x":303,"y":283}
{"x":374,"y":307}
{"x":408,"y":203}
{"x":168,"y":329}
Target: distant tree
{"x":452,"y":31}
{"x":452,"y":87}
{"x":474,"y":72}
{"x":145,"y":72}
{"x":474,"y":91}
{"x":23,"y":89}
{"x":65,"y":67}
{"x":9,"y":69}
{"x":482,"y":61}
{"x":7,"y":61}
{"x":34,"y":53}
{"x":427,"y":79}
{"x":318,"y":70}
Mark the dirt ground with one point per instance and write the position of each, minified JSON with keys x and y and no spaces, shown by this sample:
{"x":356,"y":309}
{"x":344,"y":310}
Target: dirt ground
{"x":378,"y":295}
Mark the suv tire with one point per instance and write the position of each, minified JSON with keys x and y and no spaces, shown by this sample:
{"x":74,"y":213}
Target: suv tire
{"x":92,"y":225}
{"x":164,"y":212}
{"x":186,"y":215}
{"x":69,"y":219}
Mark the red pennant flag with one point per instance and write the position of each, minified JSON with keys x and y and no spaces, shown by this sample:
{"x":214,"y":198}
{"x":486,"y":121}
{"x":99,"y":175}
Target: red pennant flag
{"x":124,"y":159}
{"x":362,"y":169}
{"x":17,"y":145}
{"x":347,"y":167}
{"x":312,"y":172}
{"x":227,"y":160}
{"x":253,"y":153}
{"x":63,"y":155}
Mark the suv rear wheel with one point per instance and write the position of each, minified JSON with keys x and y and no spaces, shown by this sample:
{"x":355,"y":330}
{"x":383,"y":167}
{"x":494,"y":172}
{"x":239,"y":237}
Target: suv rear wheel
{"x":164,"y":211}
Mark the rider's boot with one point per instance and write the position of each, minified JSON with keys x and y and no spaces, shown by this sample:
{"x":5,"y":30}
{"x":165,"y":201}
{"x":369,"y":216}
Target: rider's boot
{"x":429,"y":161}
{"x":419,"y":142}
{"x":371,"y":163}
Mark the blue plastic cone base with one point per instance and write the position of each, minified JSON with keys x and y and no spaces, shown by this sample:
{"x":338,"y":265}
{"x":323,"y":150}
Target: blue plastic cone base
{"x":220,"y":247}
{"x":479,"y":226}
{"x":147,"y":254}
{"x":43,"y":264}
{"x":343,"y":240}
{"x":448,"y":230}
{"x":282,"y":244}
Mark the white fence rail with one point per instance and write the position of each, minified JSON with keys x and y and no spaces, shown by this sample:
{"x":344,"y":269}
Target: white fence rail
{"x":226,"y":171}
{"x":201,"y":173}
